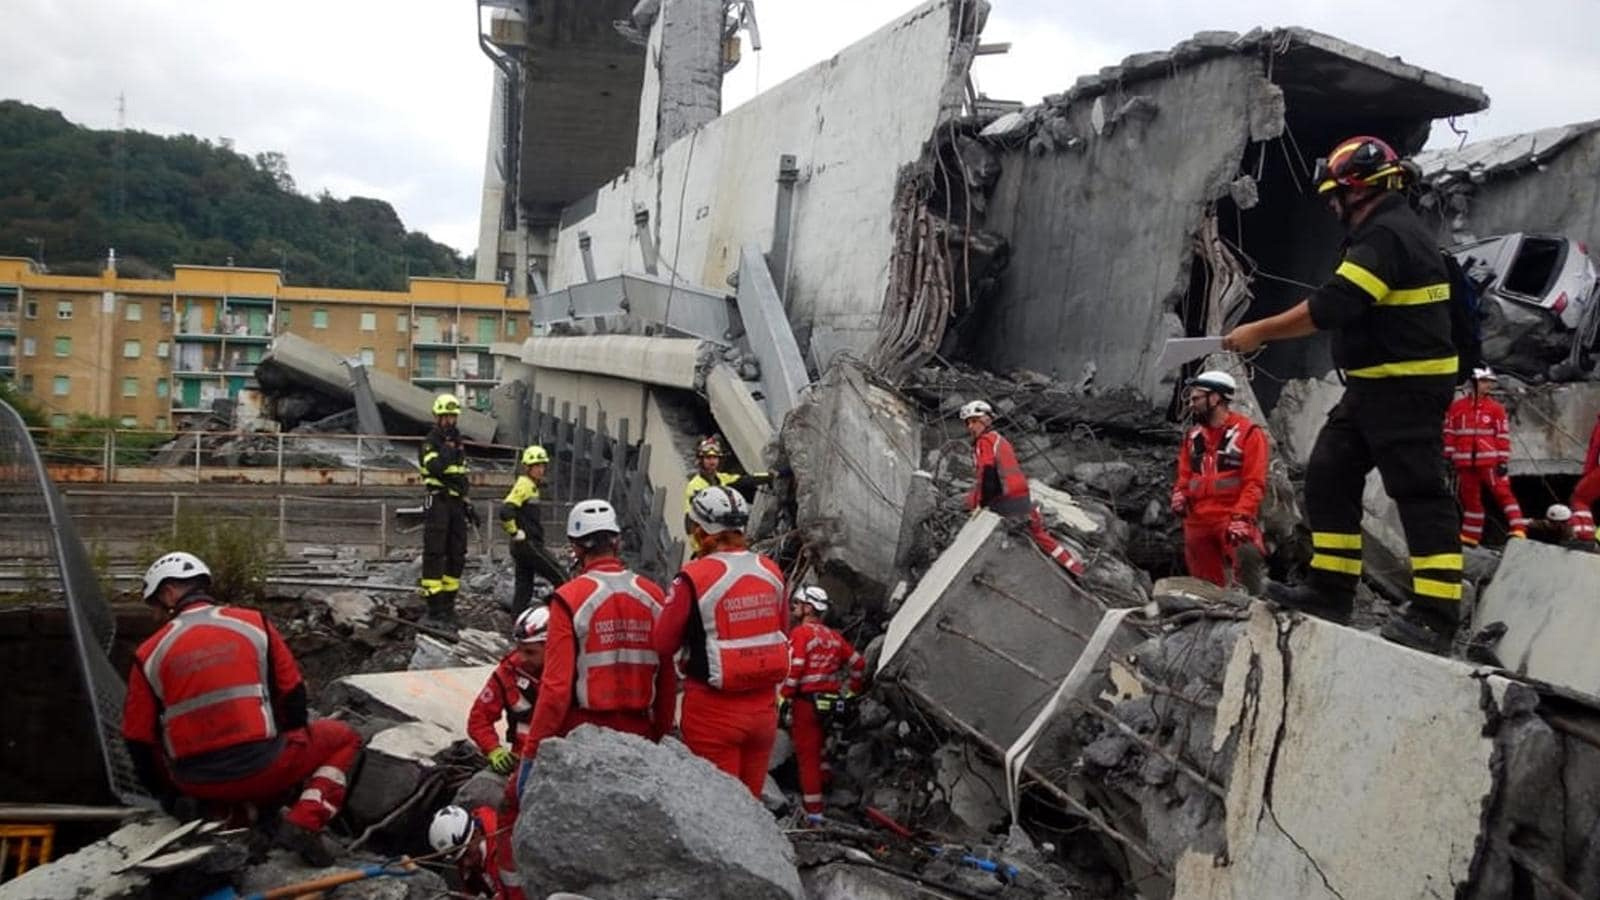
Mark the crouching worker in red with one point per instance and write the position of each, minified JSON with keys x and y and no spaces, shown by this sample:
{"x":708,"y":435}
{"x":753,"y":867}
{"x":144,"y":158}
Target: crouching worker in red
{"x":216,"y":711}
{"x":727,"y":608}
{"x":1222,"y":476}
{"x":473,"y":840}
{"x":822,"y":667}
{"x":512,"y":690}
{"x":599,"y":663}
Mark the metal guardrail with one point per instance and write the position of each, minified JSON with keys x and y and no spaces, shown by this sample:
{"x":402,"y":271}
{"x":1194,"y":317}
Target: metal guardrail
{"x":36,"y":530}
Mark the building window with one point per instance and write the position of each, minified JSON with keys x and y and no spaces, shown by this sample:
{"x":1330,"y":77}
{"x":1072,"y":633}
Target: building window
{"x":166,"y":312}
{"x":162,"y":350}
{"x":319,"y":318}
{"x":369,"y":321}
{"x":63,"y":346}
{"x":59,"y":420}
{"x":27,"y":384}
{"x":399,"y":359}
{"x":127,"y":422}
{"x":130,"y":387}
{"x":31,"y":309}
{"x":63,"y":309}
{"x":367,"y":356}
{"x":61,"y":385}
{"x":134,"y":312}
{"x":161,"y":423}
{"x":131,"y":349}
{"x":283,"y":320}
{"x":402,"y":323}
{"x":161,"y":387}
{"x":511,"y":327}
{"x":30,"y":346}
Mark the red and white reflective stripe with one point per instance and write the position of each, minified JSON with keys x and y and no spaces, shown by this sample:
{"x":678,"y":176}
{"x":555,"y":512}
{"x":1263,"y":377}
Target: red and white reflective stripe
{"x":331,"y":774}
{"x":736,"y":566}
{"x":314,"y":795}
{"x":605,"y":586}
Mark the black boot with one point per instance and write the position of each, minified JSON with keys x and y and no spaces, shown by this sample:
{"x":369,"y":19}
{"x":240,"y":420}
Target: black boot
{"x":1308,"y":599}
{"x":1425,"y":624}
{"x":441,"y":614}
{"x":309,"y":844}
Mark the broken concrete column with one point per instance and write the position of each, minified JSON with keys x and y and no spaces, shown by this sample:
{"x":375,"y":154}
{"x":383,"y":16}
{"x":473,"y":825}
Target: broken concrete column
{"x":620,"y":817}
{"x":688,"y":63}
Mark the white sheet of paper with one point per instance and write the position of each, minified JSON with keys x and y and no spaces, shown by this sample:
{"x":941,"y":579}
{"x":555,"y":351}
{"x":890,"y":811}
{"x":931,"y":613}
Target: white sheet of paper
{"x":1181,"y":350}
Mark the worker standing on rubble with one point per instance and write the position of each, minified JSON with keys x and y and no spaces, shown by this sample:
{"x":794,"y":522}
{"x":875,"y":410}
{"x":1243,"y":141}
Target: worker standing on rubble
{"x":600,"y":665}
{"x":1478,"y":442}
{"x":823,"y":670}
{"x":727,"y":609}
{"x":1222,"y":476}
{"x":512,"y":691}
{"x":216,"y":689}
{"x":519,"y":517}
{"x":447,"y":511}
{"x":1388,"y":305}
{"x":474,"y":841}
{"x":708,"y":473}
{"x":1587,"y":490}
{"x":1003,"y":488}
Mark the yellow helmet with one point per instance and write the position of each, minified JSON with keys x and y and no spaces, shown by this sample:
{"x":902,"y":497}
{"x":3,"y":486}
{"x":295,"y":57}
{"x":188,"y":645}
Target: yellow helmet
{"x":446,"y":405}
{"x":534,"y":455}
{"x":710,"y":447}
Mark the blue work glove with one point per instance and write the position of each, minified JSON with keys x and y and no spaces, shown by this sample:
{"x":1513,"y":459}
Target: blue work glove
{"x":524,"y":771}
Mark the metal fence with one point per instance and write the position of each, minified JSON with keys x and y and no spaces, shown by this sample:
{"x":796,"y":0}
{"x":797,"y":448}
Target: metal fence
{"x":36,"y":531}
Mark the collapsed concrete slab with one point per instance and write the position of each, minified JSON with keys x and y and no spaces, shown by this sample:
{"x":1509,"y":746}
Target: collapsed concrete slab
{"x":1550,"y":427}
{"x":621,"y":817}
{"x":1546,"y":596}
{"x":292,"y":361}
{"x":853,"y":446}
{"x":439,"y":697}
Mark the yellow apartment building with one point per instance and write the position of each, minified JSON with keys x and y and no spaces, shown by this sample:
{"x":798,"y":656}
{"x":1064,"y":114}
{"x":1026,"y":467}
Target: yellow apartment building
{"x":150,"y":353}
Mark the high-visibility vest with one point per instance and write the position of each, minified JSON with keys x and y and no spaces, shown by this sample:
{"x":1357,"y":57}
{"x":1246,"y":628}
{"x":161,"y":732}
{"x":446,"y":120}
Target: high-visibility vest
{"x":821,"y":661}
{"x":613,"y":614}
{"x":209,"y":670}
{"x":740,"y":612}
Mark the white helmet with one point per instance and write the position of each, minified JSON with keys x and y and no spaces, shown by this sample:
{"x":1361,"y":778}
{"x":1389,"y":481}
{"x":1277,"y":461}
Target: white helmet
{"x":812,"y":596}
{"x":976,"y":408}
{"x":1484,"y":373}
{"x":1558,"y":512}
{"x":450,"y":830}
{"x":1216,"y":381}
{"x":717,"y":509}
{"x":532,"y":626}
{"x":173,"y":565}
{"x":591,"y":517}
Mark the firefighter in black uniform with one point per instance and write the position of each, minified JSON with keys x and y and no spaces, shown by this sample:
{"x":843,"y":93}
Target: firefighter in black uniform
{"x":1388,"y":307}
{"x":519,"y":517}
{"x":447,"y":511}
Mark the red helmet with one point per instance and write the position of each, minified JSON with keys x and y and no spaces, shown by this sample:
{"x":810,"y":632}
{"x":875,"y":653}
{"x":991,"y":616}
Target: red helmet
{"x":1358,"y":162}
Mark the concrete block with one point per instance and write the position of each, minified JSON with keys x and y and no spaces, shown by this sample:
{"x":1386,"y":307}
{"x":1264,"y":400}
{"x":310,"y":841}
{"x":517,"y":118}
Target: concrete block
{"x":1361,"y":769}
{"x":441,"y":697}
{"x":1547,"y":597}
{"x":991,"y":630}
{"x":1550,"y":427}
{"x":621,"y":817}
{"x":853,"y":447}
{"x":1303,"y":405}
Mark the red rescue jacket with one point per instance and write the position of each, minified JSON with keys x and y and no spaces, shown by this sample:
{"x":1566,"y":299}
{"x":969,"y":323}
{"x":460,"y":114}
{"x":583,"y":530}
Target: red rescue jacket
{"x":820,"y":660}
{"x":737,"y":621}
{"x":1476,"y":435}
{"x":207,"y":680}
{"x":1222,"y":471}
{"x":1591,"y":457}
{"x":509,"y":690}
{"x":1001,"y":485}
{"x":477,"y":868}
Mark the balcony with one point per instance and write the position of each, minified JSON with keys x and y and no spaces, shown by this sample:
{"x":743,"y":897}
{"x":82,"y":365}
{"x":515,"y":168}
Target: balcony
{"x":8,"y":361}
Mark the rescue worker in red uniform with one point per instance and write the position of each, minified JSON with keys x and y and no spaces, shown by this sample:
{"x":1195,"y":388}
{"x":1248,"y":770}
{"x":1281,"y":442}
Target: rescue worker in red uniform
{"x":473,"y":840}
{"x":727,"y":609}
{"x":512,"y":690}
{"x":822,"y":667}
{"x":1222,"y":476}
{"x":1003,"y":488}
{"x":1588,"y":489}
{"x":1478,"y":443}
{"x":216,"y":711}
{"x":600,"y":660}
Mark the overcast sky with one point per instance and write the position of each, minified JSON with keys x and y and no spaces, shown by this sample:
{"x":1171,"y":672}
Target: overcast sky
{"x":391,"y":100}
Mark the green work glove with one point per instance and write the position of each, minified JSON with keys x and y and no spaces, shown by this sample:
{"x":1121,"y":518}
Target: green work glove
{"x":501,"y":761}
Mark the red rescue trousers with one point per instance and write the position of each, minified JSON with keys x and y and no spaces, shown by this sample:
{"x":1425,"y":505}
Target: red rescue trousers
{"x":505,"y":860}
{"x":1208,"y":553}
{"x":316,"y":758}
{"x":1582,"y":503}
{"x":1470,"y":483}
{"x":808,"y":735}
{"x":733,"y":732}
{"x":1052,"y":547}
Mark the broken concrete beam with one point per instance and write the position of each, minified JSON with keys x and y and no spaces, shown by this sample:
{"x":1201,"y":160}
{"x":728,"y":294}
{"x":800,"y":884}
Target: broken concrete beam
{"x":991,"y":630}
{"x":665,"y":361}
{"x":621,"y":817}
{"x":741,"y":418}
{"x":783,"y":372}
{"x":1546,"y":596}
{"x":853,"y":447}
{"x":1361,"y":769}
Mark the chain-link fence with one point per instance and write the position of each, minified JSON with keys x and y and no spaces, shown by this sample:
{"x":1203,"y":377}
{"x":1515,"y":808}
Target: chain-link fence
{"x":37,"y":535}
